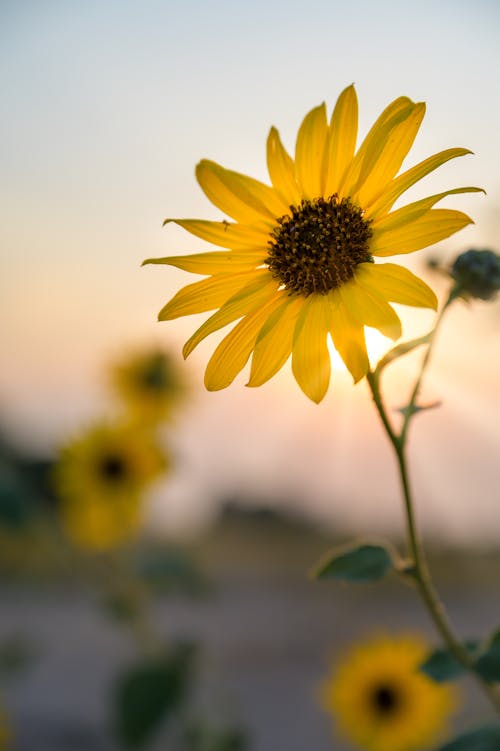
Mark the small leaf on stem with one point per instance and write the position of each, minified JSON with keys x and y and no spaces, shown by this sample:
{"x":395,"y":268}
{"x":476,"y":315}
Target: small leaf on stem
{"x":366,"y":562}
{"x":486,"y":738}
{"x":411,"y":409}
{"x":442,"y":665}
{"x":402,"y":349}
{"x":488,"y":663}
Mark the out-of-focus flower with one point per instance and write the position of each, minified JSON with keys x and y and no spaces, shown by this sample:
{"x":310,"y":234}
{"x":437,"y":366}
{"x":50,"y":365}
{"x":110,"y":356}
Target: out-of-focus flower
{"x":299,"y":259}
{"x":101,"y":477}
{"x":149,"y":384}
{"x":477,"y":274}
{"x":382,"y":702}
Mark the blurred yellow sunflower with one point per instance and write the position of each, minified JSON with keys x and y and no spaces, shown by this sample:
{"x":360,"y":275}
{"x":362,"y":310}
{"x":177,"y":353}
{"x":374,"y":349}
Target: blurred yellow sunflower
{"x":382,"y":702}
{"x":298,"y":263}
{"x":100,"y":478}
{"x":149,"y":384}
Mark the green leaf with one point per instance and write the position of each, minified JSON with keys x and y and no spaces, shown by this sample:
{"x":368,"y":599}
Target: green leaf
{"x":442,"y":666}
{"x":412,"y":409}
{"x":402,"y":349}
{"x":149,"y":693}
{"x":15,"y":497}
{"x":488,"y":663}
{"x":494,"y":639}
{"x":204,"y":736}
{"x":170,"y":570}
{"x":488,"y":666}
{"x":122,"y":607}
{"x":16,"y":655}
{"x":486,"y":738}
{"x":366,"y":562}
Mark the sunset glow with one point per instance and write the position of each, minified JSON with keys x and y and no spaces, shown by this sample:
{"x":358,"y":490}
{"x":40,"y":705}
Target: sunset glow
{"x":100,"y":136}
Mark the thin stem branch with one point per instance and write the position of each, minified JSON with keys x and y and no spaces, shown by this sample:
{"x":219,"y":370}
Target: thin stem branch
{"x":420,"y":569}
{"x":120,"y":580}
{"x":410,"y":411}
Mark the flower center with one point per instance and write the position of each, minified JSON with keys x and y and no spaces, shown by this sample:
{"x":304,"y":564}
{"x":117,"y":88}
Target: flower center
{"x":317,"y":247}
{"x":155,"y":376}
{"x":112,"y":468}
{"x":385,"y":700}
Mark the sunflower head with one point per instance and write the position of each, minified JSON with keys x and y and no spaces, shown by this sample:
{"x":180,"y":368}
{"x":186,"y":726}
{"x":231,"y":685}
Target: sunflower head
{"x":382,"y":702}
{"x":317,"y":247}
{"x":149,"y":383}
{"x":477,"y":274}
{"x":100,"y":478}
{"x":299,"y":259}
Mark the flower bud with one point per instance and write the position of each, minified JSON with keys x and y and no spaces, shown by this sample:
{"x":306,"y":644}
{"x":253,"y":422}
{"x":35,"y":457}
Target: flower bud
{"x":477,"y":274}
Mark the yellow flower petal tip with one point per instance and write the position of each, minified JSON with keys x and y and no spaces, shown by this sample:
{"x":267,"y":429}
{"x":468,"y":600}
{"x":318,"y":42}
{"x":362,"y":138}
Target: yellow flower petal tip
{"x":214,"y":387}
{"x":291,"y":250}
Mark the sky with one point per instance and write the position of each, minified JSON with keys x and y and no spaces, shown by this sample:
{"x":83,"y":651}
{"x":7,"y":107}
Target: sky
{"x":107,"y":106}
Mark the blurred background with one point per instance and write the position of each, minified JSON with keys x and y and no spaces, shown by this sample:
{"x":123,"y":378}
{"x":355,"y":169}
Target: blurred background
{"x":106,"y":108}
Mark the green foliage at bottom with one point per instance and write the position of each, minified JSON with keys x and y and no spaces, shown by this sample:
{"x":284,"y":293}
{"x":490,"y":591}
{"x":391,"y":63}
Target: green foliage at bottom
{"x":486,"y":738}
{"x":202,"y":736}
{"x":488,"y":663}
{"x":150,"y":692}
{"x":16,"y":655}
{"x":442,"y":666}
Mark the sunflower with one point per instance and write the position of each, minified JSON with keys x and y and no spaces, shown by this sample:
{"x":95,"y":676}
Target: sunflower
{"x":298,"y":261}
{"x":382,"y":702}
{"x":149,"y":384}
{"x":100,"y":478}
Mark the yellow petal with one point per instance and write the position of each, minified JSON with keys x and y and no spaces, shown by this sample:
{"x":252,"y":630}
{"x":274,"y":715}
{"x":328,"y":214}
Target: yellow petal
{"x":281,"y":169}
{"x":309,"y":152}
{"x":404,"y":181}
{"x":341,"y":139}
{"x":374,"y":143}
{"x":390,"y":159}
{"x":232,"y":353}
{"x":396,"y":284}
{"x":348,"y":338}
{"x":248,"y":299}
{"x":204,"y":295}
{"x":413,"y":210}
{"x":225,"y":234}
{"x":274,"y":342}
{"x":370,"y":309}
{"x":432,"y":227}
{"x":241,"y":197}
{"x":310,"y":356}
{"x":214,"y":262}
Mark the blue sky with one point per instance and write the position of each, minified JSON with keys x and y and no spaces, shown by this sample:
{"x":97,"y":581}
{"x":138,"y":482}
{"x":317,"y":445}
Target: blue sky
{"x":107,"y":107}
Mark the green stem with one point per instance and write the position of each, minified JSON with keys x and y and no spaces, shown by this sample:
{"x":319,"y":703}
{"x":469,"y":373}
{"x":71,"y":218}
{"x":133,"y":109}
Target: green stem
{"x":420,"y":569}
{"x":423,"y":367}
{"x":120,"y":579}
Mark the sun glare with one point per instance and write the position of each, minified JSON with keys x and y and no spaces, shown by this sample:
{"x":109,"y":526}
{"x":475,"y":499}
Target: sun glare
{"x":376,"y":344}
